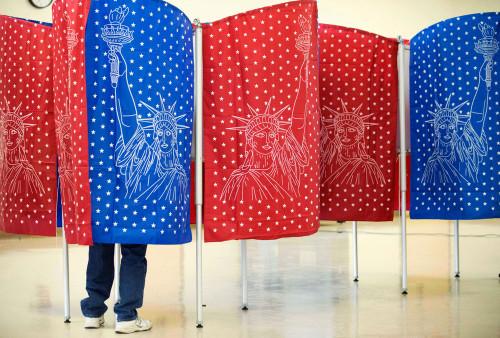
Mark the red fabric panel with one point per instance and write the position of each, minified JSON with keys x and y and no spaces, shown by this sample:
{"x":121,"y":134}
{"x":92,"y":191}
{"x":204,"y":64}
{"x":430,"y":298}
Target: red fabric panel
{"x":359,"y":102}
{"x":396,"y":190}
{"x":69,"y":20}
{"x":28,"y":184}
{"x":261,"y":124}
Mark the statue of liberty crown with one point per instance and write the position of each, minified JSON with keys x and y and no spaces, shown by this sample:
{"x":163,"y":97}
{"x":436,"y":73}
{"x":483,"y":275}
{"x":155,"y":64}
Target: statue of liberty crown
{"x":14,"y":118}
{"x":258,"y":120}
{"x":447,"y":113}
{"x":163,"y":115}
{"x":348,"y":117}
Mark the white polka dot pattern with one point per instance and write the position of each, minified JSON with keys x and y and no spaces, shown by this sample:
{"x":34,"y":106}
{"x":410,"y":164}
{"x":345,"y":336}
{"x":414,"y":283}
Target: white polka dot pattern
{"x":261,"y":124}
{"x":455,"y":124}
{"x":359,"y":101}
{"x":140,"y":90}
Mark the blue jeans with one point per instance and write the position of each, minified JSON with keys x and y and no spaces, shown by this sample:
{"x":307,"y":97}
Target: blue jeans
{"x":100,"y":275}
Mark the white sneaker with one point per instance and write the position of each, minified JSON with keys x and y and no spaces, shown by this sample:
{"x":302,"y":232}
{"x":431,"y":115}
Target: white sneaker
{"x":131,"y":326}
{"x":94,"y":323}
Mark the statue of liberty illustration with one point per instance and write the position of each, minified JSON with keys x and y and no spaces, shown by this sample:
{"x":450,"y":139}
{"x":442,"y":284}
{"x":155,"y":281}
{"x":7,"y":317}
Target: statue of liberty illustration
{"x":345,"y":159}
{"x":65,"y":163}
{"x":18,"y":175}
{"x":460,"y":142}
{"x":63,"y":126}
{"x":276,"y":152}
{"x":147,"y":149}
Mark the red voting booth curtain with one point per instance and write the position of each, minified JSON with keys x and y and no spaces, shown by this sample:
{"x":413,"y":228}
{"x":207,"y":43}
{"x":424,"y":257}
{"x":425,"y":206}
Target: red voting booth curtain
{"x":261,"y":124}
{"x":69,"y":20}
{"x":359,"y":100}
{"x":28,"y":184}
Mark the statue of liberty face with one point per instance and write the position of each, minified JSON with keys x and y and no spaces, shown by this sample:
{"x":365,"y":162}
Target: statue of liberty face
{"x":12,"y":136}
{"x":347,"y":135}
{"x":264,"y":140}
{"x":445,"y":130}
{"x":165,"y":137}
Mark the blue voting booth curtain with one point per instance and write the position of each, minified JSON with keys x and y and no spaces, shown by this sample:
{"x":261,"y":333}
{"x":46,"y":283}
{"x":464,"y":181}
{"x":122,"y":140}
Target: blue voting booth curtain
{"x":455,"y":116}
{"x":139,"y":77}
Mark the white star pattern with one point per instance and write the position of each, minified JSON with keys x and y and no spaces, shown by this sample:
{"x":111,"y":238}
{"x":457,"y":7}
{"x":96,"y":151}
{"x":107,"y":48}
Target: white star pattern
{"x":253,"y":75}
{"x":448,"y":83}
{"x":358,"y":70}
{"x":155,"y":59}
{"x":28,"y":186}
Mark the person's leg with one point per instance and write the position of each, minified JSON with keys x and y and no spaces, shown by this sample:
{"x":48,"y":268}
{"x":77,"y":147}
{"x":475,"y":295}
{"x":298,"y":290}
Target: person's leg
{"x":132,"y":279}
{"x":100,"y":275}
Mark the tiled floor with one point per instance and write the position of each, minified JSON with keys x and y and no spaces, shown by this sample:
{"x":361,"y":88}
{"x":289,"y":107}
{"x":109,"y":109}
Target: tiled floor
{"x":298,"y":287}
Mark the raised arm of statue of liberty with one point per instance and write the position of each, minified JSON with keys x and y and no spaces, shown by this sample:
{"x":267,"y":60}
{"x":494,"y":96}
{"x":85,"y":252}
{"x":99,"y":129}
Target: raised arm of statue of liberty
{"x":299,"y":111}
{"x":480,"y":103}
{"x":293,"y":154}
{"x":126,"y":110}
{"x":472,"y":143}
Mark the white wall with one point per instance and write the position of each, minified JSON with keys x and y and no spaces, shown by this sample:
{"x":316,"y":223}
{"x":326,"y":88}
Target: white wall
{"x":386,"y":17}
{"x":23,"y":9}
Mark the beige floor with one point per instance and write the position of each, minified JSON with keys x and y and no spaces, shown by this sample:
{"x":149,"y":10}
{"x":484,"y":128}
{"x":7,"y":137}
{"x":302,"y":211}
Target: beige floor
{"x":298,"y":287}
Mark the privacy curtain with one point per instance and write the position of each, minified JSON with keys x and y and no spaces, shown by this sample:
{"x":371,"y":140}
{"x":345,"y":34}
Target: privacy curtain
{"x":28,"y":183}
{"x":140,"y":94}
{"x":261,"y":123}
{"x":359,"y":102}
{"x":69,"y":20}
{"x":455,"y":114}
{"x":124,"y":106}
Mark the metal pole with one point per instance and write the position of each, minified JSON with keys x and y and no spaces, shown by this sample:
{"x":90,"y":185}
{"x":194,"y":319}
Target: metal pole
{"x":118,"y":256}
{"x":456,"y":236}
{"x":402,"y":165}
{"x":355,"y":251}
{"x":244,"y":278}
{"x":67,"y":313}
{"x":199,"y":168}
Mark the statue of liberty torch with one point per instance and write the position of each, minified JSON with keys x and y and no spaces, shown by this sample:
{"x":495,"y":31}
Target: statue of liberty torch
{"x":116,"y":35}
{"x":488,"y":47}
{"x":71,"y":40}
{"x":71,"y":36}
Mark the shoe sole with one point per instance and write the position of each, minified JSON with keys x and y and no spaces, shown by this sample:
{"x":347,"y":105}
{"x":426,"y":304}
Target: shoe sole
{"x":94,"y":327}
{"x":132,"y":331}
{"x":128,"y":332}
